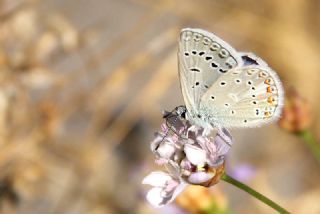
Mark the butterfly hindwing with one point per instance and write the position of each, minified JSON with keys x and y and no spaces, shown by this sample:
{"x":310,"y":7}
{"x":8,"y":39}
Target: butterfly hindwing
{"x":203,"y":58}
{"x":243,"y":97}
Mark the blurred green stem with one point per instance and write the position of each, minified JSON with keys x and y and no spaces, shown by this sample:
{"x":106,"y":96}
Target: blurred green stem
{"x":313,"y":145}
{"x":254,"y":193}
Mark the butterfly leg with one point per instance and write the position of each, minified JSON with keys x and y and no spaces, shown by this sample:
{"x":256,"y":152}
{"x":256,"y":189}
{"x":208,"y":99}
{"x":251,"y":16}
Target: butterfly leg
{"x":207,"y":131}
{"x":193,"y":129}
{"x":225,"y":135}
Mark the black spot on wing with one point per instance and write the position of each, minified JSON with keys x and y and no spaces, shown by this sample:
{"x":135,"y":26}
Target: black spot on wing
{"x":195,"y":69}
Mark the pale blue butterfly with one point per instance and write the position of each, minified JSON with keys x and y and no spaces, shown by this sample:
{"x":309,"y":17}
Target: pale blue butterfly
{"x":225,"y":88}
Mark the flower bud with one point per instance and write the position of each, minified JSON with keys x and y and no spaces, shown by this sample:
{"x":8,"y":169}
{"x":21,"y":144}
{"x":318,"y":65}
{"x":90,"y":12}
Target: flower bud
{"x":296,"y":116}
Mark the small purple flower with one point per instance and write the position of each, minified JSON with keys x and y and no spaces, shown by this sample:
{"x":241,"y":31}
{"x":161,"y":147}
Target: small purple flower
{"x":189,"y":155}
{"x":243,"y":172}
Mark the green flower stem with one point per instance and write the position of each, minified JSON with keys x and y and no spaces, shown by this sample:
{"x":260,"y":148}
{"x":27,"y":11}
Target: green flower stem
{"x":310,"y":140}
{"x":254,"y":193}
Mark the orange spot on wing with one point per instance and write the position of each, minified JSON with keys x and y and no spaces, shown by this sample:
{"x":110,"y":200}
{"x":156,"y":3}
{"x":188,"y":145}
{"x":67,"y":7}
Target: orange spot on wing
{"x":268,"y":81}
{"x":269,"y":89}
{"x":267,"y":114}
{"x":270,"y":100}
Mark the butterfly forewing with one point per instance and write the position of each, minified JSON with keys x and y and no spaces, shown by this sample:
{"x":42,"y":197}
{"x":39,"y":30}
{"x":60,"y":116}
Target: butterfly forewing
{"x":203,"y":58}
{"x":243,"y":97}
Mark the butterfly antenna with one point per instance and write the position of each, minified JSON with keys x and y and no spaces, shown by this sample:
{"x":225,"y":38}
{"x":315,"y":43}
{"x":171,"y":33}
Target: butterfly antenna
{"x":219,"y":133}
{"x":167,"y":117}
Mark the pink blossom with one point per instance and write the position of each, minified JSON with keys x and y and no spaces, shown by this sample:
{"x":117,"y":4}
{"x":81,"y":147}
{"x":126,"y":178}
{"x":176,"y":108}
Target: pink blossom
{"x":189,"y":155}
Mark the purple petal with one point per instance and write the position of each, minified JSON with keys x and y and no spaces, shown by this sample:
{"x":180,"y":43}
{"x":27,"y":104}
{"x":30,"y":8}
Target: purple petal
{"x":178,"y":190}
{"x":171,"y":185}
{"x":161,"y":161}
{"x":216,"y":161}
{"x":186,"y":164}
{"x":175,"y":138}
{"x":207,"y":145}
{"x":173,"y":168}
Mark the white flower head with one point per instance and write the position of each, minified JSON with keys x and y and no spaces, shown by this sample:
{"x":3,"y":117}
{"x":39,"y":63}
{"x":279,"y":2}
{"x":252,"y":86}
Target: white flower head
{"x":190,"y":157}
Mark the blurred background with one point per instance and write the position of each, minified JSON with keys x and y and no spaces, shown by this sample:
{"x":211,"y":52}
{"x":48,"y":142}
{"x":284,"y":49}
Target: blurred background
{"x":83,"y":84}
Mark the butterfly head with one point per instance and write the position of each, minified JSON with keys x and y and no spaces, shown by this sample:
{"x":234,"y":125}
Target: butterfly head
{"x":179,"y":111}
